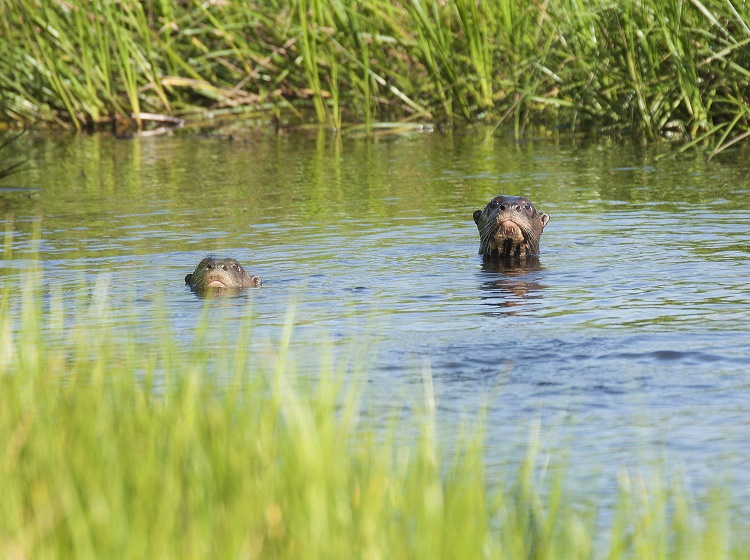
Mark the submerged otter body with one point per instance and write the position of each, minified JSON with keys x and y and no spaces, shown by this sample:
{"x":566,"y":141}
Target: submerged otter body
{"x":509,"y":227}
{"x":212,"y":273}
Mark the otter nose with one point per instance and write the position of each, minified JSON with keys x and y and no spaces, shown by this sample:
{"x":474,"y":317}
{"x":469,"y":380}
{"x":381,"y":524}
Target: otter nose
{"x":510,"y":206}
{"x":211,"y":266}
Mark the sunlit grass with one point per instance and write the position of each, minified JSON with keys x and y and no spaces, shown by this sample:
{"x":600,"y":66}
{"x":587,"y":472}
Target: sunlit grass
{"x":116,"y":448}
{"x":656,"y":68}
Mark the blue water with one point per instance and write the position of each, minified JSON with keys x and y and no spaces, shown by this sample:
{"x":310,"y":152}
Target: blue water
{"x":630,"y":344}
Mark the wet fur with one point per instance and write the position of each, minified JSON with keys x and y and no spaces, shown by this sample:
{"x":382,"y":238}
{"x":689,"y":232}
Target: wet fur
{"x":229,"y":271}
{"x":494,"y":240}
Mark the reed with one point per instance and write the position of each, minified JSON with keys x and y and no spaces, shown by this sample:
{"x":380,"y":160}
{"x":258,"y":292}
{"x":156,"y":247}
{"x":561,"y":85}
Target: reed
{"x":116,"y":447}
{"x":659,"y":68}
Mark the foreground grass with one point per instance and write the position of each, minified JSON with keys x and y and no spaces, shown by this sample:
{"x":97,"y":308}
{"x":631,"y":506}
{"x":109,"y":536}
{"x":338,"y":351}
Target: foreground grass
{"x":113,"y":449}
{"x":657,"y":67}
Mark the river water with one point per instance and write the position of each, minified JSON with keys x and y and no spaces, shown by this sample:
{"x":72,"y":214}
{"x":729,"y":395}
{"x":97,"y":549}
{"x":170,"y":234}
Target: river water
{"x":630,"y":342}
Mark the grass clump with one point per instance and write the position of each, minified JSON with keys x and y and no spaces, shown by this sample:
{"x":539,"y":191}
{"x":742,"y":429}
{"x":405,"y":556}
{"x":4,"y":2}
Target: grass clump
{"x":654,"y":67}
{"x":116,"y":448}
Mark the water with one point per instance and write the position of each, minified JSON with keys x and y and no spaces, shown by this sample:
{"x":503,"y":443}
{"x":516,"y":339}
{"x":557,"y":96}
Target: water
{"x":630,"y":342}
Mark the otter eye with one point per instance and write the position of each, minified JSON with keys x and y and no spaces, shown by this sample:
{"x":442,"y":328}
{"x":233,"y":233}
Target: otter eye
{"x":527,"y":206}
{"x":494,"y":203}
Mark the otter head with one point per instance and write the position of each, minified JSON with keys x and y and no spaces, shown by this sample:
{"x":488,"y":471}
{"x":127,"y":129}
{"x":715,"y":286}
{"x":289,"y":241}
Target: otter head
{"x":221,"y":274}
{"x":509,"y":226}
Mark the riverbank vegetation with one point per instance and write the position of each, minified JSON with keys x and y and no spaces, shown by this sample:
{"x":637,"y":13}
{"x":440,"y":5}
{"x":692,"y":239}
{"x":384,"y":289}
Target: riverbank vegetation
{"x":659,"y":68}
{"x":116,"y":448}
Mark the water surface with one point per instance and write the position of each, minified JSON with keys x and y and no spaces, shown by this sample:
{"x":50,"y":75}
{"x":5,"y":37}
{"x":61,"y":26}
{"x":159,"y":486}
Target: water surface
{"x":630,"y":341}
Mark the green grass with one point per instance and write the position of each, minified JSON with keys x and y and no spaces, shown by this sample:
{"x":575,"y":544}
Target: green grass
{"x":114,"y":448}
{"x":654,"y":68}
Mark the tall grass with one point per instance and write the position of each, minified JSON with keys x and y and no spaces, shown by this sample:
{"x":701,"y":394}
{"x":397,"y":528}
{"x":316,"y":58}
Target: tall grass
{"x":113,"y":448}
{"x":659,"y":68}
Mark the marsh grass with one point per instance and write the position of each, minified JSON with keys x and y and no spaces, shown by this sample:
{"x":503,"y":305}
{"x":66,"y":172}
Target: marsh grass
{"x":116,"y":448}
{"x":656,"y":68}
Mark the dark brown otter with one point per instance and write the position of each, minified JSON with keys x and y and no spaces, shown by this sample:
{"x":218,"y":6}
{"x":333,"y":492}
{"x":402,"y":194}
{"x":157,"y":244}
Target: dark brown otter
{"x":509,"y":226}
{"x":222,"y":274}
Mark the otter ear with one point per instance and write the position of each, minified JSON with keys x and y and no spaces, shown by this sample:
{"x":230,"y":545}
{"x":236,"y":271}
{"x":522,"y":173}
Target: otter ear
{"x":257,"y":281}
{"x":477,"y":214}
{"x":188,"y":278}
{"x":545,"y":218}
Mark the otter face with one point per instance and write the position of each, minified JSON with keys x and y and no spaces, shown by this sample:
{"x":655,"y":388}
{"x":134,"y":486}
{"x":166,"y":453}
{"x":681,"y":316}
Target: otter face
{"x":221,"y":274}
{"x":509,"y":226}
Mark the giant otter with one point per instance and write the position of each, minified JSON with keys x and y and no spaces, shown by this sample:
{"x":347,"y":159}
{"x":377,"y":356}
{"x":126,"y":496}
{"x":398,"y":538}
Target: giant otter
{"x":221,"y":274}
{"x":509,"y":226}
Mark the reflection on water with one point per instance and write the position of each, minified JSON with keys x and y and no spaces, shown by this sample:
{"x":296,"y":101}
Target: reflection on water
{"x":630,"y":334}
{"x":512,"y":286}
